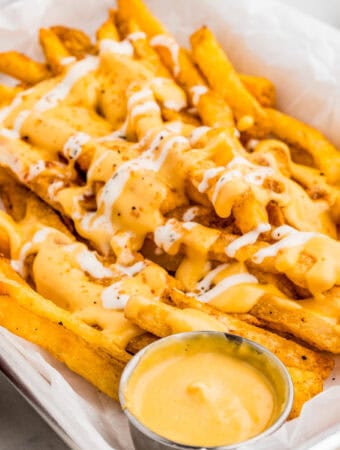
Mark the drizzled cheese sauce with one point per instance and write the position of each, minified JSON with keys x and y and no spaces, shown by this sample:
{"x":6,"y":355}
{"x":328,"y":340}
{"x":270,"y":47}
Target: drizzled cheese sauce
{"x":60,"y":92}
{"x":289,"y":237}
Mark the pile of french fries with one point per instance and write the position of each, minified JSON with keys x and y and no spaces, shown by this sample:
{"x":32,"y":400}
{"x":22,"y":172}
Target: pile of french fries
{"x":148,"y":190}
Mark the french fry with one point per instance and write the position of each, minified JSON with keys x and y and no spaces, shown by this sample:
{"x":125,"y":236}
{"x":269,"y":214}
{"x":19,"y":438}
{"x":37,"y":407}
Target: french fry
{"x":288,"y":316}
{"x":76,"y":41}
{"x":223,"y":78}
{"x":108,"y":29}
{"x":22,"y":68}
{"x":7,"y":93}
{"x":137,"y":10}
{"x":215,"y":112}
{"x":260,"y":88}
{"x":171,"y":115}
{"x":143,"y":49}
{"x":306,"y":386}
{"x":54,"y":50}
{"x":298,"y":356}
{"x":89,"y":361}
{"x":300,"y":135}
{"x":118,"y":149}
{"x":12,"y":286}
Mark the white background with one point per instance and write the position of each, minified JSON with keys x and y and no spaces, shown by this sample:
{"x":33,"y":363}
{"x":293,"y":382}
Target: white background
{"x":20,"y":427}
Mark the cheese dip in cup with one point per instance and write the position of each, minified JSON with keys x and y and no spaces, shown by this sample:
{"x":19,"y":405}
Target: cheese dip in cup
{"x":204,"y":389}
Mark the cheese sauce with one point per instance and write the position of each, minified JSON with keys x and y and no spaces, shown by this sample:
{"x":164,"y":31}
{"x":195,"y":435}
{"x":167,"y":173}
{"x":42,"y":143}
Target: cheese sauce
{"x":202,"y":391}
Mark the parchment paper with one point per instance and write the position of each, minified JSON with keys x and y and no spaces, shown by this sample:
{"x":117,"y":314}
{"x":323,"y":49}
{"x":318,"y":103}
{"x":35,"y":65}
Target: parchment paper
{"x":263,"y":37}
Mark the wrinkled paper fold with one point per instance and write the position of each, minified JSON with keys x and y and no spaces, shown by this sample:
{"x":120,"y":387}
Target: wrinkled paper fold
{"x":302,"y":57}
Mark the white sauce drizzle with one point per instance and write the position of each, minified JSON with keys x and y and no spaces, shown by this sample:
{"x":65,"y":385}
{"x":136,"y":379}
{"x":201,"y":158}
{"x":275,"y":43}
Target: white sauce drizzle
{"x":5,"y":112}
{"x":39,"y":237}
{"x":120,"y":133}
{"x":196,"y":92}
{"x":59,"y":92}
{"x":139,"y":95}
{"x":191,"y":213}
{"x":208,"y":175}
{"x":115,"y":185}
{"x":36,"y":169}
{"x":54,"y":187}
{"x":73,"y":146}
{"x":226,"y":283}
{"x":144,"y":108}
{"x":131,"y":270}
{"x":247,"y":239}
{"x":164,"y":40}
{"x":137,"y":35}
{"x":206,"y":282}
{"x":242,"y":169}
{"x":282,"y":231}
{"x":20,"y":119}
{"x":175,"y":105}
{"x":68,"y":60}
{"x":252,"y":143}
{"x":290,"y":238}
{"x":198,"y":133}
{"x":90,"y":222}
{"x":112,"y":297}
{"x":175,"y":127}
{"x":166,"y":235}
{"x":117,"y":47}
{"x":189,"y":225}
{"x":89,"y":263}
{"x":11,"y":134}
{"x":225,"y":178}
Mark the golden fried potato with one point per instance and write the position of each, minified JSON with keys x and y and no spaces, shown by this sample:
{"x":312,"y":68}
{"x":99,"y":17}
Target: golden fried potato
{"x":54,"y":50}
{"x":299,"y":135}
{"x":260,"y":88}
{"x":76,"y":41}
{"x":22,"y":68}
{"x":222,"y":77}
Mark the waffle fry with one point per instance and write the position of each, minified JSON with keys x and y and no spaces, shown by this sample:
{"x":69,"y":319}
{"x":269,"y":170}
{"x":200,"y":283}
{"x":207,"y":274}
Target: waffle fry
{"x":157,"y":189}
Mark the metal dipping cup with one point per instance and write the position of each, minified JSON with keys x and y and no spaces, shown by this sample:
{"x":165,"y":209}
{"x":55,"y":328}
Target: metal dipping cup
{"x":261,"y":358}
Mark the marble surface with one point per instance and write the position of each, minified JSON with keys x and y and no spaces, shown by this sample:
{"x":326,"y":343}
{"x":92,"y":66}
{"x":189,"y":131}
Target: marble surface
{"x":21,"y":428}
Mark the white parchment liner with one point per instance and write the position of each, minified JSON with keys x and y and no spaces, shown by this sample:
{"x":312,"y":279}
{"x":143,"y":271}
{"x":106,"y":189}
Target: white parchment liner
{"x":262,"y":37}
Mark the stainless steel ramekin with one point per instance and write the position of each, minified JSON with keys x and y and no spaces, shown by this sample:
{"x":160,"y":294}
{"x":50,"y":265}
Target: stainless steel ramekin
{"x":145,"y":439}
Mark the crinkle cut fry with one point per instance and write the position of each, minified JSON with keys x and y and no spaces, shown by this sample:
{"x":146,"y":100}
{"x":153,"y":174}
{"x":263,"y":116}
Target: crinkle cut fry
{"x":163,"y":320}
